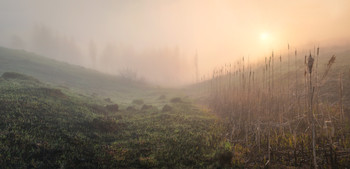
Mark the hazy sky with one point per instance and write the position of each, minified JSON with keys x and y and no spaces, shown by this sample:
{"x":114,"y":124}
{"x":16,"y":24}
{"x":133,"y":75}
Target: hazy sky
{"x":219,"y":30}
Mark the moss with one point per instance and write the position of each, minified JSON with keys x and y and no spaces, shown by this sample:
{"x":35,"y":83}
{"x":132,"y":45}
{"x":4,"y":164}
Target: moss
{"x":18,"y":76}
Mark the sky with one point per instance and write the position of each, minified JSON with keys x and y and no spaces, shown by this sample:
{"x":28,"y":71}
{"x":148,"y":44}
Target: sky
{"x":219,"y":31}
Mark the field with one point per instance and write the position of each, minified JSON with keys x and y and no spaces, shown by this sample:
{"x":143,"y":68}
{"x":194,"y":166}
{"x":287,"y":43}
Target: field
{"x":175,"y":84}
{"x":56,"y":115}
{"x":44,"y":127}
{"x":47,"y":125}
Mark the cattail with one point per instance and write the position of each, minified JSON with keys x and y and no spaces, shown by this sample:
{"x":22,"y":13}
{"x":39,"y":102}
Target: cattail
{"x":331,"y":61}
{"x":265,"y":99}
{"x":329,"y":65}
{"x":310,"y":63}
{"x":287,"y":73}
{"x":296,"y":80}
{"x":311,"y":91}
{"x":341,"y":88}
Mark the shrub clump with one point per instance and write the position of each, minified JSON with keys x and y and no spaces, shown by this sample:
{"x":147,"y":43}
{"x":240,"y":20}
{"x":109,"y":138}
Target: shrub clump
{"x":112,"y":107}
{"x":108,"y":100}
{"x":98,"y":109}
{"x":166,"y":108}
{"x":52,"y":92}
{"x":131,"y":108}
{"x":146,"y":107}
{"x":101,"y":124}
{"x":14,"y":75}
{"x":138,"y":101}
{"x":162,"y":97}
{"x":176,"y":100}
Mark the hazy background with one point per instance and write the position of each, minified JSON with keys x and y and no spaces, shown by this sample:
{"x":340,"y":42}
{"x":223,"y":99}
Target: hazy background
{"x":158,"y":39}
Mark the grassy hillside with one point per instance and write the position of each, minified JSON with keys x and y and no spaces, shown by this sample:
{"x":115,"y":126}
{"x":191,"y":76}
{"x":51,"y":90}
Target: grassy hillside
{"x":77,"y":78}
{"x":56,"y":115}
{"x":45,"y":127}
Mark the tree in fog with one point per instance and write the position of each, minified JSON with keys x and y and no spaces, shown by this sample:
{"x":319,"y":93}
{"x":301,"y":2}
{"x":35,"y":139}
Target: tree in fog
{"x":49,"y":43}
{"x":17,"y":42}
{"x":92,"y":53}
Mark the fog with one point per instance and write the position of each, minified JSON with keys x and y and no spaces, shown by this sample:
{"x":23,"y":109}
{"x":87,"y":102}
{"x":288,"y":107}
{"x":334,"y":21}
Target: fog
{"x":162,"y":41}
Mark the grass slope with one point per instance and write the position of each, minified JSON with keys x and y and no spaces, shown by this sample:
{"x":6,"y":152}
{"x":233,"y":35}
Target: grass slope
{"x":45,"y":127}
{"x":62,"y":74}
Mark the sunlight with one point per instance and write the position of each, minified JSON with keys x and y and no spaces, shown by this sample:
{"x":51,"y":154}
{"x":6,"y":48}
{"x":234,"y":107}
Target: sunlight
{"x":264,"y":36}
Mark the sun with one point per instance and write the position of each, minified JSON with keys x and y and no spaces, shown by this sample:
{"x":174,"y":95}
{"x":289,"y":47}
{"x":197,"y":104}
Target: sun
{"x":264,"y":36}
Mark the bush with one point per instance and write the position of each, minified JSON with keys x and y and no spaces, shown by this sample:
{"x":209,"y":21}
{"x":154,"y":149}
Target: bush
{"x":52,"y":92}
{"x":166,"y":108}
{"x":108,"y":100}
{"x":176,"y":100}
{"x":101,"y":124}
{"x":162,"y":97}
{"x":138,"y":101}
{"x":130,"y":108}
{"x":146,"y":107}
{"x":14,"y":75}
{"x":112,"y":107}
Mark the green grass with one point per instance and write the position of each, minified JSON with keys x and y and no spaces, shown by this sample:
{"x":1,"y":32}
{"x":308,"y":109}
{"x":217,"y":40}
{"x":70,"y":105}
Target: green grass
{"x":77,"y":78}
{"x":46,"y":127}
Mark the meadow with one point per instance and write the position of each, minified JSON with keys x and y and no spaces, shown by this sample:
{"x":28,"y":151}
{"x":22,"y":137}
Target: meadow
{"x":45,"y":127}
{"x":279,"y":113}
{"x":62,"y":120}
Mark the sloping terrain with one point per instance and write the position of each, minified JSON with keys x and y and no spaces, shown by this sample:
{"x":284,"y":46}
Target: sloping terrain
{"x":65,"y":75}
{"x":46,"y":127}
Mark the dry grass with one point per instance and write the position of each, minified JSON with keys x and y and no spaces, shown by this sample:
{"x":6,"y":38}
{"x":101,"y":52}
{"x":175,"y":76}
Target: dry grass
{"x":261,"y":106}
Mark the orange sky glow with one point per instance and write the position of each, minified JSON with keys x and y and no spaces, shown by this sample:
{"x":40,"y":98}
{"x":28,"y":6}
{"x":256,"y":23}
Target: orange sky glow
{"x":220,"y":30}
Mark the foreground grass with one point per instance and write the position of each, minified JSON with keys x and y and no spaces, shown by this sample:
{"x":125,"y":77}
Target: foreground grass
{"x":44,"y":127}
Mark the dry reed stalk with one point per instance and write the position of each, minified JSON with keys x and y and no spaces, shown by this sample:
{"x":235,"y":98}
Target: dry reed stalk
{"x":273,"y":72}
{"x":306,"y":88}
{"x":280,"y":94}
{"x":296,"y":83}
{"x":256,"y":104}
{"x":317,"y":84}
{"x":341,"y":88}
{"x":287,"y":73}
{"x":310,"y":66}
{"x":329,"y":65}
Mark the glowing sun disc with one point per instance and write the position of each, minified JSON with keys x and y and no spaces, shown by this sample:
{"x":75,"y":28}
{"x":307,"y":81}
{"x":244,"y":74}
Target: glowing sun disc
{"x":264,"y":36}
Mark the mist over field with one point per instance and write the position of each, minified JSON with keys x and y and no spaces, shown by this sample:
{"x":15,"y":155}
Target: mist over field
{"x":174,"y":84}
{"x":159,"y":40}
